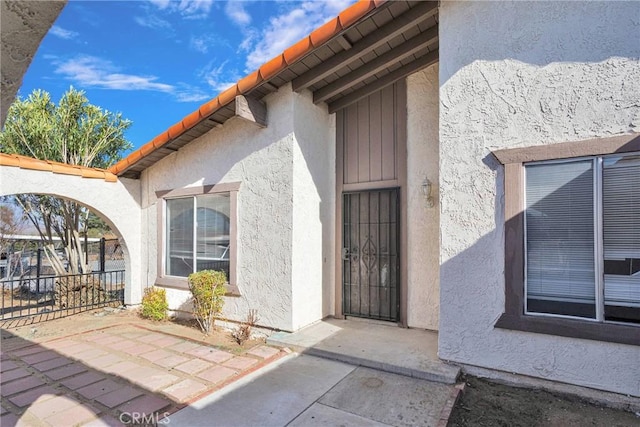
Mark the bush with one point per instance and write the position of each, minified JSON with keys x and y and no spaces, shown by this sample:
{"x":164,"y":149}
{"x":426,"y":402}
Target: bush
{"x":243,"y":331}
{"x":207,"y":289}
{"x":154,"y":304}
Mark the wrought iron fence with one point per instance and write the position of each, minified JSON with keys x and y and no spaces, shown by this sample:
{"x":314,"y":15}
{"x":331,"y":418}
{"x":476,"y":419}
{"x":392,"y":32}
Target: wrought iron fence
{"x":27,"y":259}
{"x":70,"y":294}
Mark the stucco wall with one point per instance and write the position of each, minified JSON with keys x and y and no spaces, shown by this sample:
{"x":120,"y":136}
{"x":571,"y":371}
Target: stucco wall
{"x":521,"y":74}
{"x":313,"y":211}
{"x":423,"y":228}
{"x":117,"y":203}
{"x":23,"y":25}
{"x":278,"y":176}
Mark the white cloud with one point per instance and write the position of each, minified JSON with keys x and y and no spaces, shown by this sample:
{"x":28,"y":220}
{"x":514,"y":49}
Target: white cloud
{"x":190,"y":9}
{"x":152,"y":21}
{"x":90,"y":71}
{"x":236,"y":11}
{"x":199,"y":44}
{"x":188,"y":93}
{"x":160,"y":4}
{"x":216,"y":76}
{"x":204,"y":42}
{"x":285,"y":29}
{"x":62,"y":33}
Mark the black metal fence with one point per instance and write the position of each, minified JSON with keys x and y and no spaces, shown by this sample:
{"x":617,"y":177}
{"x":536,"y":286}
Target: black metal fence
{"x":27,"y":259}
{"x":74,"y":293}
{"x":30,"y":287}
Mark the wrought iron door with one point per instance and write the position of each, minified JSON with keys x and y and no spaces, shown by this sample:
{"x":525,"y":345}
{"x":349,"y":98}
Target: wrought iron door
{"x":370,"y":254}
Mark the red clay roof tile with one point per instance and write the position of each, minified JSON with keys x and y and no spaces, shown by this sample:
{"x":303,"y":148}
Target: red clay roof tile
{"x":354,"y":12}
{"x":228,"y":95}
{"x":9,"y":160}
{"x":175,"y":130}
{"x":247,"y":83}
{"x":160,"y":140}
{"x":209,"y":108}
{"x":92,"y":173}
{"x":34,"y":164}
{"x":272,"y":67}
{"x":25,"y":162}
{"x":147,"y":148}
{"x":298,"y":50}
{"x":135,"y":156}
{"x":323,"y":33}
{"x":191,"y":120}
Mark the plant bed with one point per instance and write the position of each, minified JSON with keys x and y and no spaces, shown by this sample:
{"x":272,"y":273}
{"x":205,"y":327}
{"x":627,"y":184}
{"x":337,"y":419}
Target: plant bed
{"x":486,"y":403}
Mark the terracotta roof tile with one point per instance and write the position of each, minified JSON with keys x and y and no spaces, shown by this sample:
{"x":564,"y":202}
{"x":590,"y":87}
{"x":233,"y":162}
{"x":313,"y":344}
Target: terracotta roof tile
{"x":175,"y":131}
{"x":272,"y":67}
{"x":191,"y":120}
{"x":92,"y":173}
{"x":354,"y":12}
{"x":298,"y":50}
{"x":209,"y":108}
{"x":64,"y":169}
{"x":135,"y":156}
{"x":9,"y":160}
{"x":249,"y":82}
{"x":147,"y":148}
{"x":24,"y":162}
{"x":323,"y":33}
{"x":265,"y":72}
{"x":160,"y":140}
{"x":228,"y":95}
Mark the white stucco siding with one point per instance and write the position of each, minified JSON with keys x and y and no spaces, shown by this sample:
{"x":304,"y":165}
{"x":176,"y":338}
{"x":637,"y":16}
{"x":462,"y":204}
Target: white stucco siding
{"x":423,"y":228}
{"x":117,"y":203}
{"x":522,"y":74}
{"x":262,"y":160}
{"x":313,"y":211}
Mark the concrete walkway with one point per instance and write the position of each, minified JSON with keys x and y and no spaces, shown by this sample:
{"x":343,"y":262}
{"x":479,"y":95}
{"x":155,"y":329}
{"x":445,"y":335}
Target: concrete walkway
{"x":303,"y":390}
{"x":347,"y":373}
{"x":377,"y":345}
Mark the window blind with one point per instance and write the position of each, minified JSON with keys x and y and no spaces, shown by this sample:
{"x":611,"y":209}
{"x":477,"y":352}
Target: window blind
{"x":560,"y":233}
{"x":179,"y":252}
{"x":621,"y":229}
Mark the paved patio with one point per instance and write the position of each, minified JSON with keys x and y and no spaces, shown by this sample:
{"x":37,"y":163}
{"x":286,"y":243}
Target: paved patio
{"x":103,"y":377}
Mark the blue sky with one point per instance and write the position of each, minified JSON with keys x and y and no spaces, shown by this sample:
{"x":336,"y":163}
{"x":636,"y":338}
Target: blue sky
{"x":156,"y":61}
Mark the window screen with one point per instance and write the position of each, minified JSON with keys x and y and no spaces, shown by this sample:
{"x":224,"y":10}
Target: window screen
{"x":560,"y":274}
{"x":210,"y":233}
{"x":621,"y":237}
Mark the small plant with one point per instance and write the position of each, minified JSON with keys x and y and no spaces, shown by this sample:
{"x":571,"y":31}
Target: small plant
{"x":207,"y":289}
{"x":154,"y":304}
{"x":243,"y":331}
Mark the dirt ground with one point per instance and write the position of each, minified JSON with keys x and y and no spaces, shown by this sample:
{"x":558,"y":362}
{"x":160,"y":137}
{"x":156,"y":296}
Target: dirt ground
{"x":485,"y":403}
{"x":110,"y":316}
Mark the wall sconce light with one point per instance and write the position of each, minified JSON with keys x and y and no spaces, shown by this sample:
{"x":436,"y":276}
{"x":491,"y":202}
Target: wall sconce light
{"x":427,"y":186}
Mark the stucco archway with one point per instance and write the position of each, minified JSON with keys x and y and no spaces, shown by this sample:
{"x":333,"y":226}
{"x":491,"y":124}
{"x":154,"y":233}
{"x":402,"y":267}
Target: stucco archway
{"x":116,"y":202}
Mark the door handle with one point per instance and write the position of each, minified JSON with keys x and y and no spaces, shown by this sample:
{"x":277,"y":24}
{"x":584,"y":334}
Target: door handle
{"x":345,"y":254}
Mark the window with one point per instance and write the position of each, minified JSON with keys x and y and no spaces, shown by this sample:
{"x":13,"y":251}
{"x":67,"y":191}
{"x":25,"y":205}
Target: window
{"x":197,"y":228}
{"x":582,"y":238}
{"x":197,"y":232}
{"x":572,"y":239}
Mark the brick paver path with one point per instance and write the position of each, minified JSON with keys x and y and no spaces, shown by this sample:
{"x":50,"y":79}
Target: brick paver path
{"x":102,"y":377}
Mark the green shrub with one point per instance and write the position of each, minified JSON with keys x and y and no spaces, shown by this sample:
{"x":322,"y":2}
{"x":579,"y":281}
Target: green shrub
{"x":154,"y":304}
{"x":207,"y":289}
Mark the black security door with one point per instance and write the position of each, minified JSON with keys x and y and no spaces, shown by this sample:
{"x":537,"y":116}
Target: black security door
{"x":370,"y":254}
